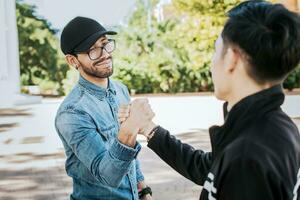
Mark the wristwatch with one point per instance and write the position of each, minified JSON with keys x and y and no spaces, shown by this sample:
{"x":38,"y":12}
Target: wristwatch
{"x":152,"y":133}
{"x":145,"y":191}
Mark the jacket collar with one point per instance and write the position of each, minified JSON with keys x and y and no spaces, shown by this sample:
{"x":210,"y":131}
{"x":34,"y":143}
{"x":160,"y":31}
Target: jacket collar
{"x":242,"y":113}
{"x":95,"y":90}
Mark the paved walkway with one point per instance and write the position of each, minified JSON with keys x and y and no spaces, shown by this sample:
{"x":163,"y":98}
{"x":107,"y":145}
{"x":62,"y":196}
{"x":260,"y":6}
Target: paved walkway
{"x":32,"y":156}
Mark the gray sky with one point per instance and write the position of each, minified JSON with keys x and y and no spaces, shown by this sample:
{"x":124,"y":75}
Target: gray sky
{"x":59,"y":12}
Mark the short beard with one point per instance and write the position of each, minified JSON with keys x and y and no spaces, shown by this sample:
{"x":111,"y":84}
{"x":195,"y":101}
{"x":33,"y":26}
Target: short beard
{"x":95,"y":72}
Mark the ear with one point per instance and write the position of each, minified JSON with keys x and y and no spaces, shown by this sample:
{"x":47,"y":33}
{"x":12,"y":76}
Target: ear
{"x":72,"y":60}
{"x":230,"y":60}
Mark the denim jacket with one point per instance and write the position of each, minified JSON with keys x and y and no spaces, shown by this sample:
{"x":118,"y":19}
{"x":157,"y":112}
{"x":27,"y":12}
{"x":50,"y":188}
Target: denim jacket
{"x":101,"y":167}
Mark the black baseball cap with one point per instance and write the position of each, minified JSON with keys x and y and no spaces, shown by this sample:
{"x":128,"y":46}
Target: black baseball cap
{"x":80,"y":34}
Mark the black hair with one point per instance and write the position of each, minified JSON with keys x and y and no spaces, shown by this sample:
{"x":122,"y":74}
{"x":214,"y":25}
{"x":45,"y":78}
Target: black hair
{"x":269,"y":35}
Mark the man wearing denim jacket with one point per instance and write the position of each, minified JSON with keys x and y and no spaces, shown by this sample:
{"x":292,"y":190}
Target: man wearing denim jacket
{"x":101,"y":153}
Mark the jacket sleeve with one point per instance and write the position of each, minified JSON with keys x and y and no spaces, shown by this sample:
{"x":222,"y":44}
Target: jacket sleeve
{"x":192,"y":164}
{"x":139,"y":174}
{"x":108,"y":165}
{"x":245,"y":179}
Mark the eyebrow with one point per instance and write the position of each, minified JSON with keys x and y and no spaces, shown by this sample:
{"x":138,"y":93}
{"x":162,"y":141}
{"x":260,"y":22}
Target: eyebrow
{"x":101,"y":40}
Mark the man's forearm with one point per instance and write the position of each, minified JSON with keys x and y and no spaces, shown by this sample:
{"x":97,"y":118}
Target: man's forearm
{"x":129,"y":141}
{"x":127,"y":135}
{"x":115,"y":164}
{"x":141,"y":185}
{"x":180,"y":156}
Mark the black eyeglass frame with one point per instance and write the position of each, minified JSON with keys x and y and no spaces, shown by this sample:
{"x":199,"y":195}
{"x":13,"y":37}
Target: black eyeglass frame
{"x":110,"y":41}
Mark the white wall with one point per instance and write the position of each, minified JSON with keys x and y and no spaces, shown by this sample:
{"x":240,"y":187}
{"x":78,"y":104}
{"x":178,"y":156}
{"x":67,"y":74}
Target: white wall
{"x":9,"y":58}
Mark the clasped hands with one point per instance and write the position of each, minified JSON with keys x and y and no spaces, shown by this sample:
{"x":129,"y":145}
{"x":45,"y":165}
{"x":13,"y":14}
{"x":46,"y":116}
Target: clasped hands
{"x":136,"y":118}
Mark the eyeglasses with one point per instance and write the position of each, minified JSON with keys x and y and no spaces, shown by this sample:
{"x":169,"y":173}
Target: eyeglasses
{"x":97,"y":52}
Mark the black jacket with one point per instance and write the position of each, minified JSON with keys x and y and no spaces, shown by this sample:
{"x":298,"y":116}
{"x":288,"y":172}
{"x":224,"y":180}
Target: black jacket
{"x":255,"y":154}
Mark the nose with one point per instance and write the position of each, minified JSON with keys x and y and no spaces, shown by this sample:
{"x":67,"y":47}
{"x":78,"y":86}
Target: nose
{"x":105,"y":54}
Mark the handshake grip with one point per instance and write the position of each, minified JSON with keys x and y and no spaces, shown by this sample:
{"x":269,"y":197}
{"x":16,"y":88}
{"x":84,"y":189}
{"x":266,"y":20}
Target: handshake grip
{"x":134,"y":119}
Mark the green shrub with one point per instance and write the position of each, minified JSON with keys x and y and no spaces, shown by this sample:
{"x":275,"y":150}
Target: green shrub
{"x":293,"y":80}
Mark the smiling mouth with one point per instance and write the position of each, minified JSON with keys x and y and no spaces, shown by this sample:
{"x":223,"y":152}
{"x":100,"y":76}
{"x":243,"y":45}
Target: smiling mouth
{"x":107,"y":63}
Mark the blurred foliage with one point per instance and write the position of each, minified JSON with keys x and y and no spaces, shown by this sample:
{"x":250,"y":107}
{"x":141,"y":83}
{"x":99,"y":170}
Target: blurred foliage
{"x":293,"y":80}
{"x":40,"y":57}
{"x":173,"y":55}
{"x":70,"y":80}
{"x":153,"y":55}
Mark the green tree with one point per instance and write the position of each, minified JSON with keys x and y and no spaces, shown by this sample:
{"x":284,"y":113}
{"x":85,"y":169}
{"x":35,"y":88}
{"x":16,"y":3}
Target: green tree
{"x":174,"y":55}
{"x":40,"y":59}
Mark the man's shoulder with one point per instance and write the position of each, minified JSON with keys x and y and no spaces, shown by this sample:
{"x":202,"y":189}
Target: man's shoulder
{"x":266,"y":141}
{"x":118,"y":84}
{"x":277,"y":127}
{"x":121,"y":90}
{"x":73,"y":101}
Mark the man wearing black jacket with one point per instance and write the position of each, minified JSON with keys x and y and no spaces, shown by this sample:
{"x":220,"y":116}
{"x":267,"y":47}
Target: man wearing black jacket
{"x":256,"y":152}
